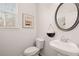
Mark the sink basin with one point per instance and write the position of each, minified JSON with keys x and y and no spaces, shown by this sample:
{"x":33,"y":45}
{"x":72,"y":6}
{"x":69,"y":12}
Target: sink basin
{"x":66,"y":48}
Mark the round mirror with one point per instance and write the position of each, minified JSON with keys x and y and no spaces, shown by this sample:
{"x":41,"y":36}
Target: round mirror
{"x":66,"y":16}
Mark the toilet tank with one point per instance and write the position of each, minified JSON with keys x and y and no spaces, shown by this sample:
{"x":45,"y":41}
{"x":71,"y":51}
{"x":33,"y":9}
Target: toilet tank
{"x":40,"y":43}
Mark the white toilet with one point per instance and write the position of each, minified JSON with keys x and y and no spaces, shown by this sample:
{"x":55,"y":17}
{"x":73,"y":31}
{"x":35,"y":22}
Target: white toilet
{"x":34,"y":51}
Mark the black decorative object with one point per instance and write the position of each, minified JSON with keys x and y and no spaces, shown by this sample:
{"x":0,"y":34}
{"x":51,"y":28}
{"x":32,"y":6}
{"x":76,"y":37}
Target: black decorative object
{"x":50,"y":32}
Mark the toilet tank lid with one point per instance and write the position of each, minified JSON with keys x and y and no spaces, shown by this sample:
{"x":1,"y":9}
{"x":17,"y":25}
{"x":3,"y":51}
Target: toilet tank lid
{"x":40,"y":39}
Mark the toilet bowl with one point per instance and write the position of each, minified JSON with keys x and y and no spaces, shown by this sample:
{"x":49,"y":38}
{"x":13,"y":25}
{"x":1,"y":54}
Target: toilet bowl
{"x":35,"y":50}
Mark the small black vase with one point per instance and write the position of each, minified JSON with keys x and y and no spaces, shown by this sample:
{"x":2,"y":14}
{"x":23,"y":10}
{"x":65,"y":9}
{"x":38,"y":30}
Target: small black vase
{"x":51,"y":34}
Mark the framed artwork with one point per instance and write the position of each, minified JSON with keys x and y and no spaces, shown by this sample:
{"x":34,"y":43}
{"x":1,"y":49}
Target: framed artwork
{"x":27,"y":20}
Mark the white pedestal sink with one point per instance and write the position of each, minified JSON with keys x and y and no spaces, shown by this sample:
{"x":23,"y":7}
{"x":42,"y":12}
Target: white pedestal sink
{"x":65,"y":48}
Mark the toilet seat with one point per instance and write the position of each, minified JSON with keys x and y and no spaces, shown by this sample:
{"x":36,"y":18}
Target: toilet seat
{"x":31,"y":51}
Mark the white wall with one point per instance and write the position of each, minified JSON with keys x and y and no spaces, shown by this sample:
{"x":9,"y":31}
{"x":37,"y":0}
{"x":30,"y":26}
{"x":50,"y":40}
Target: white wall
{"x":14,"y":41}
{"x":47,"y":17}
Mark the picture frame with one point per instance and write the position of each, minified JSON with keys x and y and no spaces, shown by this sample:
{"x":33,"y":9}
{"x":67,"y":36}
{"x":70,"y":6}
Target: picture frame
{"x":27,"y":20}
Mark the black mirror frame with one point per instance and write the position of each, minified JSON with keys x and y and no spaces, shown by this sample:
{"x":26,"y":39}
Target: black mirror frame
{"x":74,"y":25}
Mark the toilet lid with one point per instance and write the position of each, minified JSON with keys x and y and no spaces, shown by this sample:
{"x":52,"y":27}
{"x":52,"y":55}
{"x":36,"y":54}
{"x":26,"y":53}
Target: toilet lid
{"x":31,"y":51}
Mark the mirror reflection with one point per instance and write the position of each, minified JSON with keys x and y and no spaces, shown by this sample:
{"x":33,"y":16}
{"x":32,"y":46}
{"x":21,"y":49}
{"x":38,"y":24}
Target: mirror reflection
{"x":66,"y":15}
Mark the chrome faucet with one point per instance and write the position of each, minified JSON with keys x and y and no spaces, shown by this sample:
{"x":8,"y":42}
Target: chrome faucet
{"x":64,"y":39}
